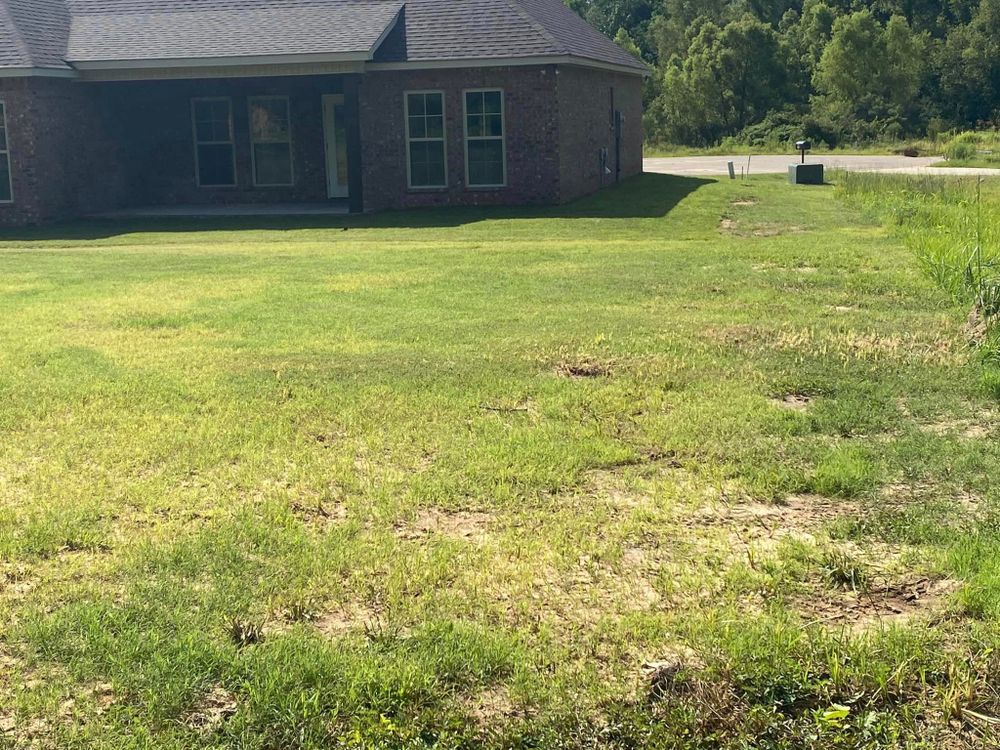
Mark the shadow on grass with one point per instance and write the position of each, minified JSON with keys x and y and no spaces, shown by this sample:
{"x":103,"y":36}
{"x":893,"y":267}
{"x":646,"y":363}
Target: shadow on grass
{"x":643,"y":196}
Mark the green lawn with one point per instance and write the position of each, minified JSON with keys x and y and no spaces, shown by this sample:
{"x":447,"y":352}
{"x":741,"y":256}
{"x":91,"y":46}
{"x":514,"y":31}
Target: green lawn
{"x":689,"y":464}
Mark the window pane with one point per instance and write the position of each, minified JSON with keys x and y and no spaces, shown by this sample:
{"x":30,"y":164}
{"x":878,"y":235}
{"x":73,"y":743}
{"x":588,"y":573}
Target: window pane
{"x":427,"y":168}
{"x":475,"y":126}
{"x":272,"y":163}
{"x":435,"y":126}
{"x":215,"y":165}
{"x":492,"y":102}
{"x":434,"y":104}
{"x":205,"y":130}
{"x":3,"y":127}
{"x":415,"y":104}
{"x":5,"y":192}
{"x":486,"y":162}
{"x":418,"y":127}
{"x":269,"y":119}
{"x":494,"y":125}
{"x":474,"y":103}
{"x":212,"y":120}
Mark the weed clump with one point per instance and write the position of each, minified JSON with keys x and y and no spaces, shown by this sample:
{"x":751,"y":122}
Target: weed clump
{"x":245,"y":632}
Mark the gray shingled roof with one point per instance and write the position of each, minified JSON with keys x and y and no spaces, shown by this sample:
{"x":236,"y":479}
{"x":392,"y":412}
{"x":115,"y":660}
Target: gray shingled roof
{"x":50,"y":33}
{"x":352,"y":29}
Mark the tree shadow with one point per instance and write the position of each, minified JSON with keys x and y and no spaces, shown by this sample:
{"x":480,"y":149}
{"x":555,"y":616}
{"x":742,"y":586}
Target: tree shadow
{"x":646,"y":196}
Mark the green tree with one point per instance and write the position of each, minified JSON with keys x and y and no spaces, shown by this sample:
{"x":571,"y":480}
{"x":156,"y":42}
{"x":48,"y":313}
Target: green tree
{"x":967,"y":68}
{"x":624,"y":40}
{"x":870,"y":74}
{"x":731,"y":77}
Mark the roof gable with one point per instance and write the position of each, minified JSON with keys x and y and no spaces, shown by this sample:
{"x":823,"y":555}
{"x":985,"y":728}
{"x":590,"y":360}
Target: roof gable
{"x":33,"y":33}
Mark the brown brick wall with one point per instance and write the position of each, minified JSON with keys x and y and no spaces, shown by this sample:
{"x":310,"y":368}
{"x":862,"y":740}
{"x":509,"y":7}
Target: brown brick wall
{"x":63,"y":163}
{"x":586,"y":126}
{"x":532,"y":122}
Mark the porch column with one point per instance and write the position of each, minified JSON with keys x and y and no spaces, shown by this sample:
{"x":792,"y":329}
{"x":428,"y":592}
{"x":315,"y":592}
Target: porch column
{"x":352,"y":112}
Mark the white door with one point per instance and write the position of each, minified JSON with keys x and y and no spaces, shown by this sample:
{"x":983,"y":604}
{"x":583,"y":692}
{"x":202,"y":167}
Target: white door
{"x":335,"y":137}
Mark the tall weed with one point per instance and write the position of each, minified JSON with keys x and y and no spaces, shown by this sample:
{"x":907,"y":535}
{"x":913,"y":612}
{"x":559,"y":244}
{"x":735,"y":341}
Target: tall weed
{"x":953,"y":227}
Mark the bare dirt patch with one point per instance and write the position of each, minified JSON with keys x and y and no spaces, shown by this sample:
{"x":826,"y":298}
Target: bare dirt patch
{"x":103,"y":695}
{"x":740,"y":336}
{"x":348,"y":616}
{"x":612,"y":487}
{"x":744,"y":203}
{"x":966,"y":429}
{"x":320,"y":514}
{"x":491,"y":708}
{"x":900,"y":494}
{"x":793,"y":401}
{"x":976,"y":327}
{"x":638,"y":568}
{"x":212,"y":710}
{"x":470,"y":526}
{"x":763,"y":525}
{"x":583,"y":368}
{"x":7,"y":660}
{"x":732,"y":226}
{"x":591,"y":592}
{"x":889,"y":604}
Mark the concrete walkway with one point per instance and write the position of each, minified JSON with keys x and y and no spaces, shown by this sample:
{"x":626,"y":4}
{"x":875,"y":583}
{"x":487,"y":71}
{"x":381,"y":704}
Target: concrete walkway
{"x":778,"y":164}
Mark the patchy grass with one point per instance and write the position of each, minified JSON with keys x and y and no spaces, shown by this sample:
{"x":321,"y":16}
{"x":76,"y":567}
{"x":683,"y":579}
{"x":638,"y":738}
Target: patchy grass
{"x":595,"y":476}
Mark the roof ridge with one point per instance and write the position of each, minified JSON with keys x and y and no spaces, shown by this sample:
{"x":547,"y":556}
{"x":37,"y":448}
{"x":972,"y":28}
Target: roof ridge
{"x":528,"y":16}
{"x":6,"y":14}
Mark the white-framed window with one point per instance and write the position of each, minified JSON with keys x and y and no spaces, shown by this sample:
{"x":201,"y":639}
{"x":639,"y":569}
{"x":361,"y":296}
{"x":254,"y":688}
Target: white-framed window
{"x":6,"y":184}
{"x":214,"y":147}
{"x":485,"y":138}
{"x":426,"y":151}
{"x":271,"y":141}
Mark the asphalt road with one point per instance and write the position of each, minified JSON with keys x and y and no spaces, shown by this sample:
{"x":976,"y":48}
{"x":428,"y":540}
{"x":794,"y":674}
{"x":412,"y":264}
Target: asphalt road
{"x":778,"y":164}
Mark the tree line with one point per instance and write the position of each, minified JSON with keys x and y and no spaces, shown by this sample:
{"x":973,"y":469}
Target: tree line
{"x":835,"y":71}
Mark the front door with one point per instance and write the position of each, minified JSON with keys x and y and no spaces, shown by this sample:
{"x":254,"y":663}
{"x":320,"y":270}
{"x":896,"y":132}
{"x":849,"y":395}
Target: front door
{"x":335,"y":136}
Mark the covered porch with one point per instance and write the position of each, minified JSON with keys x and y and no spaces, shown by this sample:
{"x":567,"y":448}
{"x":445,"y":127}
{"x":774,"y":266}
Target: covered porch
{"x":230,"y":146}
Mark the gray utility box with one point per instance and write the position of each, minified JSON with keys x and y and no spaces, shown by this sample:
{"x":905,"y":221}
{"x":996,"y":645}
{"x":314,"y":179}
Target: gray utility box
{"x":805,"y":174}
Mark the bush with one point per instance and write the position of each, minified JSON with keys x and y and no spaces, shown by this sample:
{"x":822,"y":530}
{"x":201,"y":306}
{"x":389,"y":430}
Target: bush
{"x":960,"y":151}
{"x":778,"y":130}
{"x":983,"y":145}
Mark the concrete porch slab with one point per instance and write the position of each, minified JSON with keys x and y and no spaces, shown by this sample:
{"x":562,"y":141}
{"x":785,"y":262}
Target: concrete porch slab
{"x":333,"y":208}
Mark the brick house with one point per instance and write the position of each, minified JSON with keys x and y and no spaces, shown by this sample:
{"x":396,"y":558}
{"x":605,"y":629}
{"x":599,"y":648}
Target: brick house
{"x":369,"y":104}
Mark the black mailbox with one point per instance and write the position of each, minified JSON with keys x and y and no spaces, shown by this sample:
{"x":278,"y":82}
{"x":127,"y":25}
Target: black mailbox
{"x":805,"y":174}
{"x":803,"y":146}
